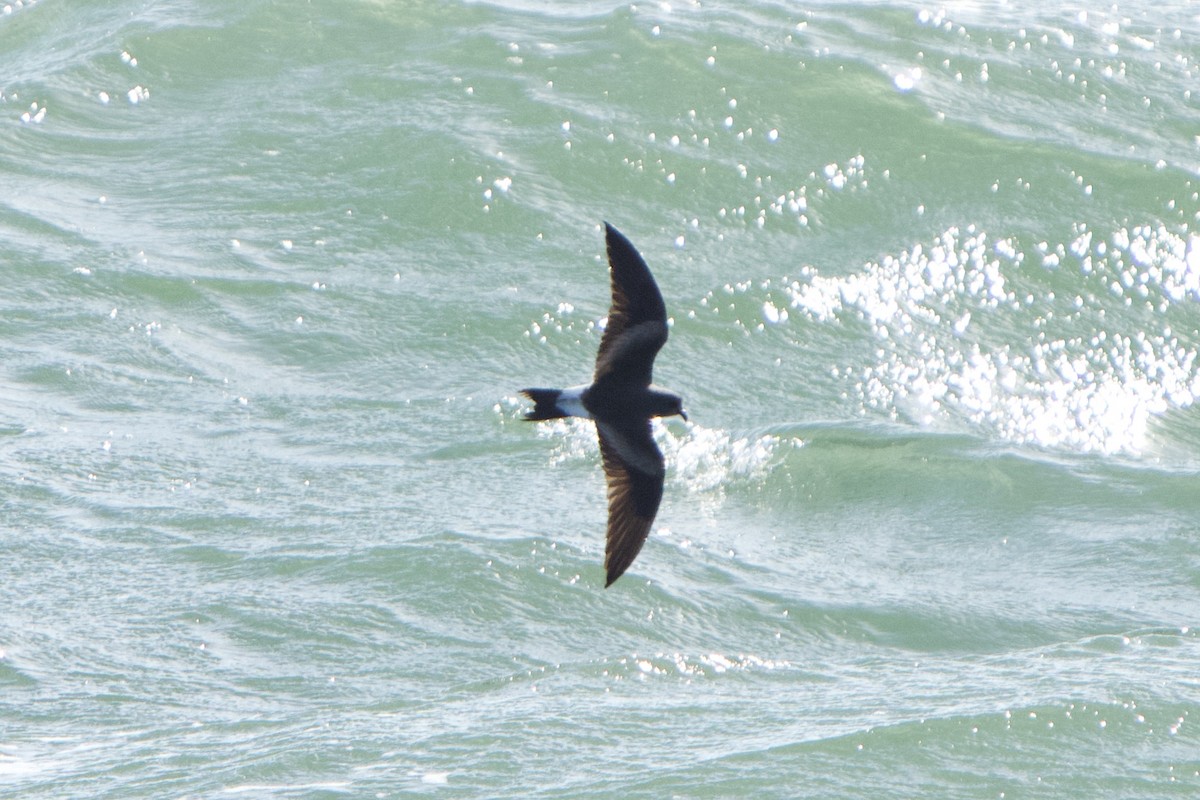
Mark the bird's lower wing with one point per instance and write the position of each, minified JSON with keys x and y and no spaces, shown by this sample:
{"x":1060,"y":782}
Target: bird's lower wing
{"x":633,"y":468}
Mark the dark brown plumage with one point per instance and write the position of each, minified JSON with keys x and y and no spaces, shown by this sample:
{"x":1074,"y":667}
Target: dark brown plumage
{"x":622,"y":400}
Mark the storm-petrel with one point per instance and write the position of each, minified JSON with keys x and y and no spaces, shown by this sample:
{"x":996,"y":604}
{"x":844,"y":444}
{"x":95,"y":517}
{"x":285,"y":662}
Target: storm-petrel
{"x":621,"y":401}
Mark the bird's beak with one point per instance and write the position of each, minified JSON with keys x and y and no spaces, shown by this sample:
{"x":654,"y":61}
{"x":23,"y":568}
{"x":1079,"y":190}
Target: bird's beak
{"x":683,"y":414}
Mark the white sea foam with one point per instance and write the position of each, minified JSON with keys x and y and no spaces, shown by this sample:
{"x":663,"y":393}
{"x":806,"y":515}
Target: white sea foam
{"x":690,"y":666}
{"x":12,"y":766}
{"x":261,"y":789}
{"x":702,"y":459}
{"x":1093,"y":392}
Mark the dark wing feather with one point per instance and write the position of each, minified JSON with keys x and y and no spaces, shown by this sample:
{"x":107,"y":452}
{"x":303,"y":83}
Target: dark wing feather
{"x":633,"y":492}
{"x":637,"y":320}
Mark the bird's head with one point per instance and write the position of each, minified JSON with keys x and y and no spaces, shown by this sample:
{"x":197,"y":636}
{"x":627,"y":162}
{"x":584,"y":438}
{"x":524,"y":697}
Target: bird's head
{"x":668,"y":404}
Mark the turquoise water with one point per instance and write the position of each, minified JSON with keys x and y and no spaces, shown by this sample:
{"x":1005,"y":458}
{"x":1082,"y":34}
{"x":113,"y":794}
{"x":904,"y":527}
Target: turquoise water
{"x":272,"y":274}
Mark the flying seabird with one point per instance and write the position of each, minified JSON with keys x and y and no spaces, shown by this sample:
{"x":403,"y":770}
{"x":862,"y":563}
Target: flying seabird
{"x":621,"y":400}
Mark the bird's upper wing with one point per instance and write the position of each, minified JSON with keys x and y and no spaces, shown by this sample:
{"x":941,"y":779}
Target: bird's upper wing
{"x":633,"y":467}
{"x":637,"y":321}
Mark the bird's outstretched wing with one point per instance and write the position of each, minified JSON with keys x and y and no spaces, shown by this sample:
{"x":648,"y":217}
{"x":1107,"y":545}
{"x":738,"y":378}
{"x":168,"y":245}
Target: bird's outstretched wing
{"x":633,"y":468}
{"x":637,"y":321}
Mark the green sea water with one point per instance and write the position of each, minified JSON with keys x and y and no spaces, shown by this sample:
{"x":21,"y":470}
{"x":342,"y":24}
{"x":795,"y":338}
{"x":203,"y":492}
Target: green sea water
{"x":271,"y":275}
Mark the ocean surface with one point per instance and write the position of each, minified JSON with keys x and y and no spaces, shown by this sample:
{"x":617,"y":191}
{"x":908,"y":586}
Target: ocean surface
{"x":272,"y":274}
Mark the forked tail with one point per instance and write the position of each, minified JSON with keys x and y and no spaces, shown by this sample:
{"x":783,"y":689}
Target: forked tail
{"x":545,"y":404}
